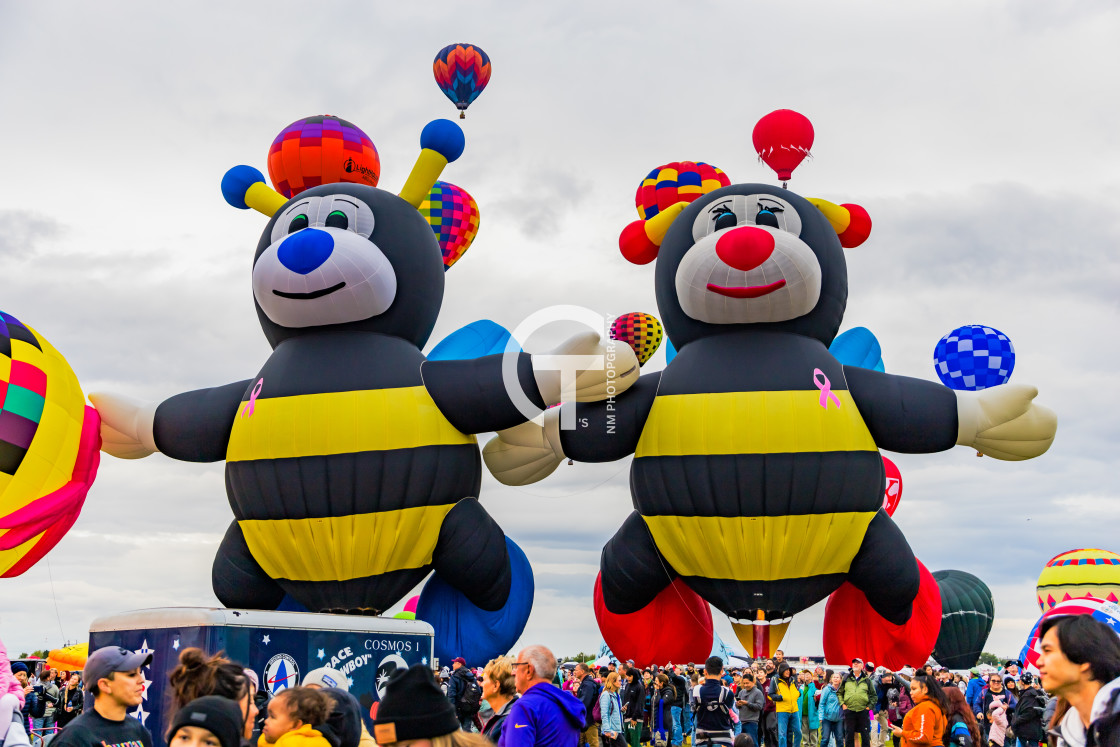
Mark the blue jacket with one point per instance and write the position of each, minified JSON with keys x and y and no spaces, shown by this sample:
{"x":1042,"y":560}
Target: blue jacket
{"x":974,"y":693}
{"x":807,"y":704}
{"x":830,"y":704}
{"x":610,"y":706}
{"x":544,"y":716}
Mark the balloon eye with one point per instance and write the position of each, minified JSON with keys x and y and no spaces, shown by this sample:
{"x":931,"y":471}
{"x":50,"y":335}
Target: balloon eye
{"x":766,"y":218}
{"x":298,"y":223}
{"x":337,"y":219}
{"x":726,"y":220}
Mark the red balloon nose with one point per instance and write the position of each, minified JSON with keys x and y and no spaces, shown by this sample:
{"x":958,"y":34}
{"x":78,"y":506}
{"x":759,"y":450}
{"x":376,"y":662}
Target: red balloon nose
{"x":745,"y":248}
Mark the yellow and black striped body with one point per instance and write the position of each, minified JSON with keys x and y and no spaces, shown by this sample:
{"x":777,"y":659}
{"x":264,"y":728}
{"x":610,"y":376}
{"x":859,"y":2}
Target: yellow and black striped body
{"x":341,"y":470}
{"x":755,"y":493}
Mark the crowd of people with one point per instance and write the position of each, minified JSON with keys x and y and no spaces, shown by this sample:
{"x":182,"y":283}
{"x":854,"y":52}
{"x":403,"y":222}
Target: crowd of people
{"x":531,"y":701}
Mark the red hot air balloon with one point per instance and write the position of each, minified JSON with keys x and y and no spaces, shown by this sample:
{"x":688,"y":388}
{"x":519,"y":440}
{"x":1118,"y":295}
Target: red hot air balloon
{"x":892,"y":493}
{"x":782,"y":139}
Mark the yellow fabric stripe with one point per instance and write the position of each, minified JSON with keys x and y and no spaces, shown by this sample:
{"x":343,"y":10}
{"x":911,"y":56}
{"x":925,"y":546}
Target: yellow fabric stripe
{"x":760,"y":548}
{"x":339,"y":548}
{"x":340,"y":423}
{"x":752,"y":423}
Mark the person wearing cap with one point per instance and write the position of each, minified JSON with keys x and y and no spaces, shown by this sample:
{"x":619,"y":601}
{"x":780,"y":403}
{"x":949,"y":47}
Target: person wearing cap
{"x":1026,"y":720}
{"x":857,"y":695}
{"x":414,"y":710}
{"x":115,"y":680}
{"x":459,"y":687}
{"x":209,"y":721}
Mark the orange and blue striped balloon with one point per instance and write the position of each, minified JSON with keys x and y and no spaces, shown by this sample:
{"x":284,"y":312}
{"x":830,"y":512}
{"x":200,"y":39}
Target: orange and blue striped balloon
{"x":462,"y":72}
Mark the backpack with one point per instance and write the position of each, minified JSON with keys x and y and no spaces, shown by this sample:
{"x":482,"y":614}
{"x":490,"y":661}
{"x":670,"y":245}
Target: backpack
{"x":39,"y":707}
{"x":596,"y":709}
{"x":470,"y":697}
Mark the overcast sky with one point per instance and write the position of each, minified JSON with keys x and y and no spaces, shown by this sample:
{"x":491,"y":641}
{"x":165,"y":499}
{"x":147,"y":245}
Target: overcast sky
{"x":980,"y":136}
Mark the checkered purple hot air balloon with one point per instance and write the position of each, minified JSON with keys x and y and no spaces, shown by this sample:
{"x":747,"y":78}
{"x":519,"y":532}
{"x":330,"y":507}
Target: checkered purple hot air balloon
{"x":453,"y":215}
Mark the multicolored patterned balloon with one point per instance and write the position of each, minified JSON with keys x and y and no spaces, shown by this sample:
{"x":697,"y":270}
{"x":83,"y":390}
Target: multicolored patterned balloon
{"x":640,"y":331}
{"x":453,"y":215}
{"x":680,"y":181}
{"x":462,"y":72}
{"x":321,"y":150}
{"x":1074,"y":574}
{"x":1106,"y":612}
{"x":50,"y":445}
{"x":974,"y":357}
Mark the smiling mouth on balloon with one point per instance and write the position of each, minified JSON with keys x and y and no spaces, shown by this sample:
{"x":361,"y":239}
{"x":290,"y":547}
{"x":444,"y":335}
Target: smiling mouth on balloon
{"x":753,"y":291}
{"x":314,"y":294}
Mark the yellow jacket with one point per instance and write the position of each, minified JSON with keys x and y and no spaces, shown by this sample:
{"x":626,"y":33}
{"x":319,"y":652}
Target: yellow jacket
{"x":788,"y":693}
{"x":304,"y":736}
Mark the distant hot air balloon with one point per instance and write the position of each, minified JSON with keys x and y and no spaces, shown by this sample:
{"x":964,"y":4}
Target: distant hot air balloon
{"x":974,"y":357}
{"x":1079,"y":573}
{"x":892,"y":490}
{"x":1106,"y":612}
{"x":462,"y":72}
{"x":680,"y":181}
{"x":782,"y":139}
{"x":453,"y":215}
{"x":321,"y":150}
{"x":967,"y":613}
{"x":640,"y":331}
{"x":49,"y":447}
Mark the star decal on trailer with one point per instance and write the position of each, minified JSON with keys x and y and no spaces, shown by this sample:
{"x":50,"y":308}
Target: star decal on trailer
{"x":265,"y":640}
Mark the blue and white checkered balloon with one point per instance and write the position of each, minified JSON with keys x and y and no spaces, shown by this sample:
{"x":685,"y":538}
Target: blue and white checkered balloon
{"x":974,"y":357}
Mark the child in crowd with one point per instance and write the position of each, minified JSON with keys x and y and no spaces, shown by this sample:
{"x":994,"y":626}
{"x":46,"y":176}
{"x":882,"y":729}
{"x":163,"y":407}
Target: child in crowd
{"x":209,"y":721}
{"x":293,"y":714}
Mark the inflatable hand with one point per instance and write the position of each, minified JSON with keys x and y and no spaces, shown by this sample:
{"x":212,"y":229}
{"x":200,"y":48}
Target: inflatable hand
{"x":604,"y":368}
{"x":526,"y":453}
{"x":1004,"y":423}
{"x":126,"y":425}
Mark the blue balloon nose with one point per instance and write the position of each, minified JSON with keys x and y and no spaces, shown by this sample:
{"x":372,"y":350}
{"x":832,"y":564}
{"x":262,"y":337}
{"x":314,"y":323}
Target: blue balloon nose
{"x":305,"y":250}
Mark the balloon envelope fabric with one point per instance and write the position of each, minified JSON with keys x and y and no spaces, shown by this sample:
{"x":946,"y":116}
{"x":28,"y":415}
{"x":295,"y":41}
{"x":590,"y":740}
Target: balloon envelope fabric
{"x":974,"y":357}
{"x":967,"y":613}
{"x":1079,"y":573}
{"x":640,"y":331}
{"x":462,"y":72}
{"x":679,"y":181}
{"x":321,"y":150}
{"x":453,"y":215}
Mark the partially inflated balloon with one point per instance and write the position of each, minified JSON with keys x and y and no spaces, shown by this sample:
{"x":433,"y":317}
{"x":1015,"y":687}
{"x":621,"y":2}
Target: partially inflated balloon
{"x":640,"y":331}
{"x":680,"y":181}
{"x":462,"y":72}
{"x":321,"y":150}
{"x":858,"y":347}
{"x":49,"y":447}
{"x":1106,"y":612}
{"x":453,"y":215}
{"x":782,"y":139}
{"x":1079,"y":573}
{"x":967,"y":613}
{"x":892,"y":490}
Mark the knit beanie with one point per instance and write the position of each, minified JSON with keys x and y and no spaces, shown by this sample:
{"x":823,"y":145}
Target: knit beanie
{"x":220,"y":716}
{"x":413,"y":708}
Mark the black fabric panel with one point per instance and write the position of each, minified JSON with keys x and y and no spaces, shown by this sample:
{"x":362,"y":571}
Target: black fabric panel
{"x":633,"y":571}
{"x":885,"y":570}
{"x":782,"y":598}
{"x":357,"y":483}
{"x":609,"y":430}
{"x":750,"y":361}
{"x":758,"y":484}
{"x":339,"y":362}
{"x":967,"y":613}
{"x":472,"y":393}
{"x":907,"y":415}
{"x":471,"y":555}
{"x":371,"y":595}
{"x":195,"y":426}
{"x":238,"y":579}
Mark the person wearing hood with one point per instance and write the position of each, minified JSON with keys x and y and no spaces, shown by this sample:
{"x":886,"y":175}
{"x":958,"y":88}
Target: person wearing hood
{"x":544,"y":716}
{"x":974,"y":691}
{"x":784,"y":693}
{"x":1080,"y":665}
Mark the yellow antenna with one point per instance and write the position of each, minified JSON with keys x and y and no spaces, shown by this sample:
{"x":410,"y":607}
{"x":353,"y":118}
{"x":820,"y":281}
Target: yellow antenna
{"x":244,"y":187}
{"x":441,"y":142}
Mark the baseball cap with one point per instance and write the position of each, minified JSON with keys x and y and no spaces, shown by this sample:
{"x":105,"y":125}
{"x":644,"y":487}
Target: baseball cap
{"x":857,"y":660}
{"x":326,"y":677}
{"x":974,"y":670}
{"x":104,"y":661}
{"x":1010,"y":662}
{"x":1026,"y":678}
{"x":459,"y":660}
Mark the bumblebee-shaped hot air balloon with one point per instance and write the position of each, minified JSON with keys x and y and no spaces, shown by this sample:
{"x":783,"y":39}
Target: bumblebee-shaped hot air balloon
{"x":1079,"y":573}
{"x":967,"y":613}
{"x":321,"y":150}
{"x":49,"y":442}
{"x":462,"y":72}
{"x":640,"y":331}
{"x":453,"y":215}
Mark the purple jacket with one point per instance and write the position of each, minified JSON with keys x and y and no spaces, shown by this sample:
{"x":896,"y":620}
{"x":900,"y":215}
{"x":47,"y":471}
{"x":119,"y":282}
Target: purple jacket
{"x":544,"y":716}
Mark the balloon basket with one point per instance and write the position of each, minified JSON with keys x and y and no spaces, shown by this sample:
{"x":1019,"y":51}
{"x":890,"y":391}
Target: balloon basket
{"x":462,"y":115}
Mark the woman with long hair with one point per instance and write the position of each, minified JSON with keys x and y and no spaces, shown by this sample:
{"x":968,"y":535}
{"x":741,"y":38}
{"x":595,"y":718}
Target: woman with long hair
{"x":499,"y":692}
{"x":610,"y":706}
{"x":198,"y":674}
{"x":962,"y":729}
{"x":924,"y":725}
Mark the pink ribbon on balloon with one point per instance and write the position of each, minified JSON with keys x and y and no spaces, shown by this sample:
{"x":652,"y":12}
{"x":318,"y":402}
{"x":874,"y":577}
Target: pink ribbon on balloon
{"x":253,"y":399}
{"x":825,"y":386}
